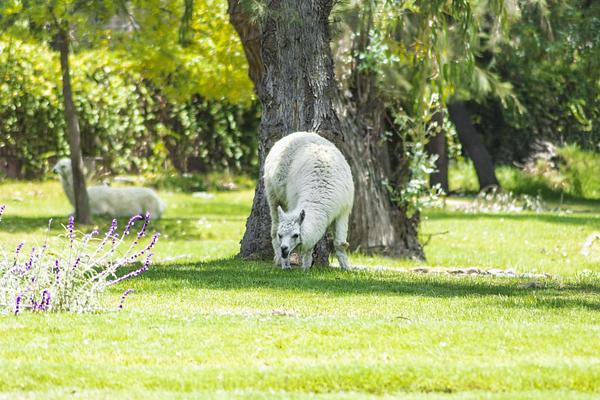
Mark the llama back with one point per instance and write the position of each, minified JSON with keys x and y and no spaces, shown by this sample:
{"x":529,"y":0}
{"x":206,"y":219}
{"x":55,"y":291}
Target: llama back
{"x":319,"y":174}
{"x":287,"y":151}
{"x":125,"y":201}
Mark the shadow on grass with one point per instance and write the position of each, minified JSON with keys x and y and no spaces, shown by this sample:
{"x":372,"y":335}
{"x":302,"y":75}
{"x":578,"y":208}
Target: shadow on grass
{"x":30,"y":224}
{"x":213,"y":207}
{"x":234,"y":274}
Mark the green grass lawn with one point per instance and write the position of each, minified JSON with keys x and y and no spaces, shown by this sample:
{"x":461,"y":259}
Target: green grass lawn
{"x":202,"y":324}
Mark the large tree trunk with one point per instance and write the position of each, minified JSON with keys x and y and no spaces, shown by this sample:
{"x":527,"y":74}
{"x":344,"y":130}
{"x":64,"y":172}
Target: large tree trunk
{"x":82,"y":206}
{"x":473,"y":144}
{"x":437,"y":145}
{"x":291,"y":65}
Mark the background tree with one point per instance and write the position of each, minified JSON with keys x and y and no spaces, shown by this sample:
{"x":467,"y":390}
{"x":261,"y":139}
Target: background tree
{"x":143,"y":100}
{"x":438,"y":49}
{"x":532,"y":84}
{"x":437,"y":146}
{"x":472,"y":143}
{"x":551,"y":59}
{"x":292,"y":67}
{"x":56,"y":22}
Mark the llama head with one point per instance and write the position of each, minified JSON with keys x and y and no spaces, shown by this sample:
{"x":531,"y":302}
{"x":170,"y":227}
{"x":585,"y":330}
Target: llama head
{"x":288,"y":231}
{"x":63,"y":167}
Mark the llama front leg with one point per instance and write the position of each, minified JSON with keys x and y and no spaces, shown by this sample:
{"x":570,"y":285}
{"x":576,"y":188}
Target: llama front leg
{"x":339,"y":242}
{"x":274,"y":240}
{"x":277,"y":252}
{"x":307,"y":260}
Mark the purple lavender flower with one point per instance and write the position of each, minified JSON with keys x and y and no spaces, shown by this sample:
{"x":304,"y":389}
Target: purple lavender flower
{"x":91,"y":235}
{"x":146,"y":221}
{"x":113,"y":227}
{"x":57,"y":271}
{"x":76,"y":263}
{"x":135,"y":273}
{"x":111,"y":231}
{"x":123,"y":297}
{"x":71,"y":227}
{"x":33,"y":304}
{"x":141,"y":233}
{"x":18,"y":305}
{"x":152,"y":242}
{"x":18,"y":250}
{"x":147,"y":248}
{"x":130,"y":223}
{"x":29,"y":262}
{"x":45,"y":302}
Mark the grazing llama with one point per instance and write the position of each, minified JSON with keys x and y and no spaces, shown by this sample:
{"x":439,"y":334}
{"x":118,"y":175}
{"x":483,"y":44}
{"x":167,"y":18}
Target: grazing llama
{"x":309,"y":178}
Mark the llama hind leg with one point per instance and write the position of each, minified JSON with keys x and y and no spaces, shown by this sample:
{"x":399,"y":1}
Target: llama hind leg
{"x":339,"y":241}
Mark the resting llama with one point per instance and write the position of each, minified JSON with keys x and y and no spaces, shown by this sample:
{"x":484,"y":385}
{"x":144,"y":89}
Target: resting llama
{"x":308,"y":176}
{"x":112,"y":201}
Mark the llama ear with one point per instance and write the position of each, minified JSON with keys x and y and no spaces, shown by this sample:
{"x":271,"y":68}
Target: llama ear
{"x":280,"y":212}
{"x":301,"y":217}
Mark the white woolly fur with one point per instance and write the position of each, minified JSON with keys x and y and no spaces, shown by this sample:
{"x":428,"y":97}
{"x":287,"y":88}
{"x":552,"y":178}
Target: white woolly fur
{"x":304,"y":171}
{"x":112,"y":201}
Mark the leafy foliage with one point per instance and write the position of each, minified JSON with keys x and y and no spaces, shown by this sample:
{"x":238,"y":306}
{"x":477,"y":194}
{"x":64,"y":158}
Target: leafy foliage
{"x":124,"y":120}
{"x":420,"y":54}
{"x":30,"y":110}
{"x":208,"y":60}
{"x":153,"y":80}
{"x":552,"y":60}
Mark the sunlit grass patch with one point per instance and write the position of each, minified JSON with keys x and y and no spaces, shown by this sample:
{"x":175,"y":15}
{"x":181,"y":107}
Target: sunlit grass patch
{"x":203,"y":323}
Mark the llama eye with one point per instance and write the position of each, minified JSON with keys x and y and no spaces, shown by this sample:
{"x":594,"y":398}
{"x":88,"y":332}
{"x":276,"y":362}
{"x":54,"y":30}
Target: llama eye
{"x":295,"y":236}
{"x":279,"y":236}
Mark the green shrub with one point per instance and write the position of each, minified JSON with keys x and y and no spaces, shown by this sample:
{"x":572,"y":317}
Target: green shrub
{"x":577,"y":176}
{"x":462,"y":177}
{"x":551,"y":59}
{"x":126,"y":122}
{"x":581,"y":171}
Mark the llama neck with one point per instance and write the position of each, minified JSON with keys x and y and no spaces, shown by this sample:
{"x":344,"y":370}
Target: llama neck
{"x":67,"y":184}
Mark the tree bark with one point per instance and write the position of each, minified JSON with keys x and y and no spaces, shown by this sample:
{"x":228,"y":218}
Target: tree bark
{"x":473,"y":144}
{"x":82,"y":206}
{"x":437,"y":145}
{"x":291,"y":65}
